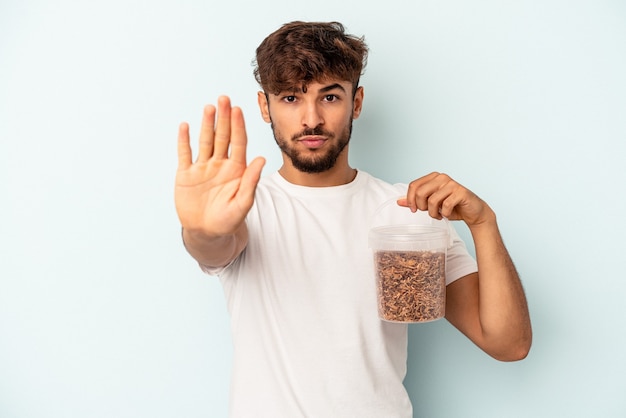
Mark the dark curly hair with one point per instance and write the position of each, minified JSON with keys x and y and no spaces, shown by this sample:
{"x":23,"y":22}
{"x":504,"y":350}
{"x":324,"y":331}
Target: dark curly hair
{"x":302,"y":52}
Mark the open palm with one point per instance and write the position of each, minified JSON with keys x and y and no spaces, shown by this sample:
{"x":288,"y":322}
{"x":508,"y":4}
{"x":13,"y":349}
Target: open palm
{"x":214,"y":194}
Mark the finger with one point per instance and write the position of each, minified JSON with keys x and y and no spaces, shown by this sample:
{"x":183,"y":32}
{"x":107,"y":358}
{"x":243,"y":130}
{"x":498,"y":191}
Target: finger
{"x":419,"y":191}
{"x":435,"y":203}
{"x":443,"y":201}
{"x":207,"y":130}
{"x":249,"y":181}
{"x":222,"y":130}
{"x":458,"y":201}
{"x":449,"y":205}
{"x":403,"y":201}
{"x":238,"y":136}
{"x":184,"y":150}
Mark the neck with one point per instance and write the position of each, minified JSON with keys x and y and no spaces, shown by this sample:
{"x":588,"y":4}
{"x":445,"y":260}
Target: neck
{"x":336,"y":176}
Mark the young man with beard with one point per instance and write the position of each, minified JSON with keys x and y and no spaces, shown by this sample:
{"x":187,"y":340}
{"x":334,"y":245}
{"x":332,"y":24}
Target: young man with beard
{"x":291,"y":249}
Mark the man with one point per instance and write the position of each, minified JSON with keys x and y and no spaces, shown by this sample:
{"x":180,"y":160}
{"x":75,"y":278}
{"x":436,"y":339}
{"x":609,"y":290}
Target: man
{"x":291,"y":249}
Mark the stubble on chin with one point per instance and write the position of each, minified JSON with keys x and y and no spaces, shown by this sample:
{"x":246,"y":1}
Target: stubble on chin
{"x":322,"y":159}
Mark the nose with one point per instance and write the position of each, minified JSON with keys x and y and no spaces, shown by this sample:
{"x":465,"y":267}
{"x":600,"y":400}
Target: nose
{"x":312,"y":116}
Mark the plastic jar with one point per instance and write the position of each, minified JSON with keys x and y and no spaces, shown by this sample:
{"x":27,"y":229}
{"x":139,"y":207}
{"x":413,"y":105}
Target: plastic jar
{"x":409,"y":252}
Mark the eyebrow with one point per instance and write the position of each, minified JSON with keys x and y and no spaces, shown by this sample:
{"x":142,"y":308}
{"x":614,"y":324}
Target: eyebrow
{"x":324,"y":89}
{"x":332,"y":87}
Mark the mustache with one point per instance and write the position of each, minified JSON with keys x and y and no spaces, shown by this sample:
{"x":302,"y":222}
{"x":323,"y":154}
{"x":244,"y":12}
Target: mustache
{"x":317,"y":131}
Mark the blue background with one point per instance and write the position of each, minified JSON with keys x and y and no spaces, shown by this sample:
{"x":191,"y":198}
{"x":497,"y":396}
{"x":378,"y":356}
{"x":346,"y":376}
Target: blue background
{"x":103,"y":314}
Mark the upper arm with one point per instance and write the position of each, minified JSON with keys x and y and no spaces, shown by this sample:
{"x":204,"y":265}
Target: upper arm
{"x":510,"y":335}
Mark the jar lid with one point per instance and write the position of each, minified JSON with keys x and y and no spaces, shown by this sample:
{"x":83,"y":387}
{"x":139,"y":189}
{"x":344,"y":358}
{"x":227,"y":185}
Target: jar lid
{"x":391,"y":218}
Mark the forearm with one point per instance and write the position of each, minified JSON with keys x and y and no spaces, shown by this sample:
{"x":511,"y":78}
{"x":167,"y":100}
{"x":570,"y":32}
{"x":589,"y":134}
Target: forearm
{"x":215,"y":251}
{"x":502,"y":308}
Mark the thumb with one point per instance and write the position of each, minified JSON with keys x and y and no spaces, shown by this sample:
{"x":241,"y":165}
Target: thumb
{"x":250,"y":179}
{"x":403,"y":201}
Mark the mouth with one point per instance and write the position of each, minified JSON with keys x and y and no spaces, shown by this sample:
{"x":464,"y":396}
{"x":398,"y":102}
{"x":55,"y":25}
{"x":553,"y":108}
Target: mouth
{"x":313,"y":141}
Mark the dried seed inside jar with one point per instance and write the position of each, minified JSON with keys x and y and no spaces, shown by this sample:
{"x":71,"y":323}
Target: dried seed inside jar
{"x":411,"y":285}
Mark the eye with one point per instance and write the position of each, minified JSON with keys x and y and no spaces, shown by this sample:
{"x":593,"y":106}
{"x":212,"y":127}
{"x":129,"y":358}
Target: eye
{"x":289,"y":99}
{"x":331,"y":98}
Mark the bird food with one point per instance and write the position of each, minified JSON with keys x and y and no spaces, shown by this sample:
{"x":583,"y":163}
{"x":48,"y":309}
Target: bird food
{"x":411,"y":285}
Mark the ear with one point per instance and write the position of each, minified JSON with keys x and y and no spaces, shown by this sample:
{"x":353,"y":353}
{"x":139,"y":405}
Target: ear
{"x":357,"y":103}
{"x":264,"y":106}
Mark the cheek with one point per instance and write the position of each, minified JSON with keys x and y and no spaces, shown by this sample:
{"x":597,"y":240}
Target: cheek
{"x":340,"y":124}
{"x":279,"y":131}
{"x":285,"y":126}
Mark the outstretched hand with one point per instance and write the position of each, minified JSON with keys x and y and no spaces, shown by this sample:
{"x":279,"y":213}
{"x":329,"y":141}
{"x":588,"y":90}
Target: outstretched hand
{"x":214,"y":194}
{"x":441,"y":196}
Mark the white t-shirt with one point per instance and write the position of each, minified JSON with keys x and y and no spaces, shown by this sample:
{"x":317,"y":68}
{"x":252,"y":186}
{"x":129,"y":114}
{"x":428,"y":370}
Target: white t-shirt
{"x":302,"y":298}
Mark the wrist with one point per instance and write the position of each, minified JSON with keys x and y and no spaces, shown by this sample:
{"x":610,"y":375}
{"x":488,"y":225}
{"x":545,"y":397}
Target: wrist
{"x":199,"y":236}
{"x":487,"y":221}
{"x":214,"y":250}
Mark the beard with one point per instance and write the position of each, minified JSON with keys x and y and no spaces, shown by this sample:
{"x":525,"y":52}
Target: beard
{"x":321,"y":159}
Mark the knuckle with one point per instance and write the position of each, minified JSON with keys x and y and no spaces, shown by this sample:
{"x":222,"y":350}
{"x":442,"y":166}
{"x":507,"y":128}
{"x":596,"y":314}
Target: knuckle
{"x":421,"y":194}
{"x":447,"y":206}
{"x":445,"y":177}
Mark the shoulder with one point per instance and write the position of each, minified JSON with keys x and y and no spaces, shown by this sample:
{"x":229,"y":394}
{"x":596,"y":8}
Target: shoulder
{"x":372,"y":182}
